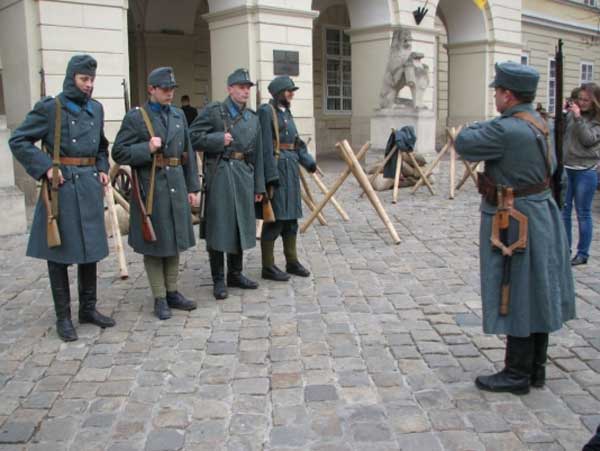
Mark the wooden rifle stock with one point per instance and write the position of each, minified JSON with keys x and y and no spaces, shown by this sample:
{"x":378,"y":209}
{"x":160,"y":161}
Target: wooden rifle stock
{"x":147,"y":228}
{"x":52,"y":232}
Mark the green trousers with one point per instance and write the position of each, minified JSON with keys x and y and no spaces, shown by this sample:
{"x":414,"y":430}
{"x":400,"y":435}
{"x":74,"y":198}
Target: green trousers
{"x":162,"y":273}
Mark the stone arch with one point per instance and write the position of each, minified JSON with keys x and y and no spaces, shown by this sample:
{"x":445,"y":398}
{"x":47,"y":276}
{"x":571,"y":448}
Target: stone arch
{"x":463,"y":57}
{"x":353,"y":16}
{"x":161,"y":34}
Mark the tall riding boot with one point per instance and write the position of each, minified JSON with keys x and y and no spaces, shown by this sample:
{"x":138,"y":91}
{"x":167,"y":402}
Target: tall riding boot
{"x":235,"y":278}
{"x":293,"y":266}
{"x":86,"y":279}
{"x":59,"y":283}
{"x":269,"y":269}
{"x":515,"y":377}
{"x":540,"y":355}
{"x":217,"y":270}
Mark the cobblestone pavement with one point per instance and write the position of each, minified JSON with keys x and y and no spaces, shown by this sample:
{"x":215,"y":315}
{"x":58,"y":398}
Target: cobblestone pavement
{"x":377,"y":350}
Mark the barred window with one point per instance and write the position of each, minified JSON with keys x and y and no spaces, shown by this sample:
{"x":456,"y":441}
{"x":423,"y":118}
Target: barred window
{"x":338,"y":71}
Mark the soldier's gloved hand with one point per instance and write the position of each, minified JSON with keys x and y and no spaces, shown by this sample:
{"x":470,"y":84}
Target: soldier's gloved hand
{"x":61,"y":179}
{"x":312,"y":168}
{"x":155,"y":144}
{"x":227,"y":139}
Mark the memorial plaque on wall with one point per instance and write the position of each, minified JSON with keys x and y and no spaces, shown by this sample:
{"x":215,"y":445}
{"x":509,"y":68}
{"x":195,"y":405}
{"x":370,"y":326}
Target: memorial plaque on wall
{"x":286,"y":62}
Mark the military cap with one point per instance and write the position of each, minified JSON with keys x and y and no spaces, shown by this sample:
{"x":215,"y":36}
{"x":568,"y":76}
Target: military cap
{"x":163,"y":77}
{"x":281,"y":83}
{"x":239,"y":77}
{"x":516,"y":77}
{"x":82,"y":64}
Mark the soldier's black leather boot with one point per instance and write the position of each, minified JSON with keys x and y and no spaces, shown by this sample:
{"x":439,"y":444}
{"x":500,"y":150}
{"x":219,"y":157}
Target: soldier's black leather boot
{"x":178,"y":301}
{"x":161,"y":309}
{"x":293,"y":266}
{"x":59,"y":283}
{"x":217,"y":270}
{"x":235,"y":278}
{"x":515,"y":377}
{"x":269,"y":269}
{"x":86,"y":280}
{"x":540,"y":355}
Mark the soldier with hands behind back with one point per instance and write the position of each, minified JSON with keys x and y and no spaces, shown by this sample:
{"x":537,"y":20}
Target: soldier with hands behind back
{"x":75,"y":122}
{"x":229,"y":135}
{"x":284,"y":152}
{"x":154,"y":141}
{"x":530,"y":293}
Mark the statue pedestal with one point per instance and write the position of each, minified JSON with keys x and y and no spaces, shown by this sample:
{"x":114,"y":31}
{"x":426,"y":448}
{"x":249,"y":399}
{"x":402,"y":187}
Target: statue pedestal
{"x":422,"y":119}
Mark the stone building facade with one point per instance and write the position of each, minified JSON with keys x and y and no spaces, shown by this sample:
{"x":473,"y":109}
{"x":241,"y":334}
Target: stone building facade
{"x":341,"y":48}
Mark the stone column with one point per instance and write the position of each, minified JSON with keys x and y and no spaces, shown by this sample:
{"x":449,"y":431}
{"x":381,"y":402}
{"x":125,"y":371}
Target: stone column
{"x":245,"y":35}
{"x":19,"y":47}
{"x":45,"y":34}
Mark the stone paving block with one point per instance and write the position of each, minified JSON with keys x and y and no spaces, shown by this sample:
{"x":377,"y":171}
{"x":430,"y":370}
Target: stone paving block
{"x":244,"y":424}
{"x":165,"y":440}
{"x":16,"y":432}
{"x":289,"y":436}
{"x":254,"y":386}
{"x":320,"y":393}
{"x":485,"y":422}
{"x":171,"y":418}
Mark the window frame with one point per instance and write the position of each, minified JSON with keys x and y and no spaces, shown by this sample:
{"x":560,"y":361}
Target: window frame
{"x":591,"y":67}
{"x":341,"y":59}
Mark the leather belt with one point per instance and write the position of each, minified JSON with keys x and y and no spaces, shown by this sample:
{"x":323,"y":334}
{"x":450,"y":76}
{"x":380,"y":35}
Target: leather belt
{"x":287,"y":146}
{"x":78,"y":161}
{"x":162,"y":161}
{"x":489,"y":190}
{"x":237,"y":156}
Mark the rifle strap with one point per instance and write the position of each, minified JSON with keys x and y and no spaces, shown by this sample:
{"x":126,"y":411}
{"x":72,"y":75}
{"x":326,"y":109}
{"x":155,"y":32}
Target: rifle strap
{"x":276,"y":130}
{"x":150,"y":197}
{"x":543,"y":129}
{"x":56,"y":156}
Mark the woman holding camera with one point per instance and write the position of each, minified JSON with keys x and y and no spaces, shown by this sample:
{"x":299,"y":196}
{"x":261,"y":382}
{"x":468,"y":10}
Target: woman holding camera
{"x":581,"y":153}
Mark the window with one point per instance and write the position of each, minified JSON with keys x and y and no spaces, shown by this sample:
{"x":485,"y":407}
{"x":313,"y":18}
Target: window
{"x":587,"y":72}
{"x":338,"y":71}
{"x":525,"y":59}
{"x":551,"y":85}
{"x":590,"y":2}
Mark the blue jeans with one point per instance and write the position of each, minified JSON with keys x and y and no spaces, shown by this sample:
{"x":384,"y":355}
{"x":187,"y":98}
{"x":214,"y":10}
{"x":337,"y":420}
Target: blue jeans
{"x":581,"y":188}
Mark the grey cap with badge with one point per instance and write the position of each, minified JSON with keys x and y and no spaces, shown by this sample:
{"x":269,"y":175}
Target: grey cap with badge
{"x":163,"y":77}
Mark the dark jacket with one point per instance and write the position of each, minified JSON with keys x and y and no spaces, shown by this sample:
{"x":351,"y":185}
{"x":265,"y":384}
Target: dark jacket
{"x":171,"y":216}
{"x":232,"y":184}
{"x":542,"y":295}
{"x":283,"y":172}
{"x":81,"y":205}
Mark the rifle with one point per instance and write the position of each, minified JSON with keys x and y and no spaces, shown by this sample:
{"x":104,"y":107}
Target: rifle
{"x":136,"y":190}
{"x":500,"y":239}
{"x":203,"y":190}
{"x":559,"y":126}
{"x":51,"y":202}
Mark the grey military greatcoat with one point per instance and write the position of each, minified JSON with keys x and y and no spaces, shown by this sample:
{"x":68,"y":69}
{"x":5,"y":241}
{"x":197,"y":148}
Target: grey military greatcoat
{"x":287,"y":201}
{"x":81,"y":207}
{"x":542,"y":293}
{"x":230,"y":215}
{"x":171,"y":216}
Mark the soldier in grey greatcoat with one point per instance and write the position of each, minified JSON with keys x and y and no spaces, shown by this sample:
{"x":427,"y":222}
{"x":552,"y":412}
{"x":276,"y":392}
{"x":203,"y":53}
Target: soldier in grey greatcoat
{"x":82,"y":174}
{"x":542,"y":295}
{"x":176,"y":186}
{"x":229,"y":135}
{"x":284,"y":153}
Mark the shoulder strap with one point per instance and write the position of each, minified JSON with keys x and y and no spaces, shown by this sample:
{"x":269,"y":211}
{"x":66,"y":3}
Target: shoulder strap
{"x":543,"y":128}
{"x":276,"y":129}
{"x":56,"y":155}
{"x":147,"y":121}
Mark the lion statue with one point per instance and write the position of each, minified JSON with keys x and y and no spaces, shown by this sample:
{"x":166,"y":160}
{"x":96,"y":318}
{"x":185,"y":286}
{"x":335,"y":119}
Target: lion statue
{"x":404,"y":68}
